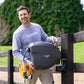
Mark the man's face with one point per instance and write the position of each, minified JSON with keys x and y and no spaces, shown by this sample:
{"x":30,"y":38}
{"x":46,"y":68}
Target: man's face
{"x":24,"y":17}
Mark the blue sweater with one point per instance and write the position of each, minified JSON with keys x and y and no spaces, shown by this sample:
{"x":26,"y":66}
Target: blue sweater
{"x":25,"y":35}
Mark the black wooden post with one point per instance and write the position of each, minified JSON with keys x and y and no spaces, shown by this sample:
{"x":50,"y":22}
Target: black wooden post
{"x":10,"y":67}
{"x":67,"y":53}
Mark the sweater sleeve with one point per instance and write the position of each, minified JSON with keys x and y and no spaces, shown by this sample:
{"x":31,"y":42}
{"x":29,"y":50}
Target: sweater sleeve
{"x":44,"y":36}
{"x":16,"y":48}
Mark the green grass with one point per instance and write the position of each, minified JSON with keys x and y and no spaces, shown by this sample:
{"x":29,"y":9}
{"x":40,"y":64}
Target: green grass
{"x":4,"y":60}
{"x":78,"y":54}
{"x":5,"y":48}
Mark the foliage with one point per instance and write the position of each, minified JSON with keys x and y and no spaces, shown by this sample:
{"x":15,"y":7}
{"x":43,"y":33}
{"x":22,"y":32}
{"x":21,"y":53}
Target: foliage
{"x":51,"y":15}
{"x":69,"y":15}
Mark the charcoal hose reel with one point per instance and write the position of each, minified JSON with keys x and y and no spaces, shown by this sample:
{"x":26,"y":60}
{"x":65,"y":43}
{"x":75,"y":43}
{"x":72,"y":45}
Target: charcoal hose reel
{"x":43,"y":56}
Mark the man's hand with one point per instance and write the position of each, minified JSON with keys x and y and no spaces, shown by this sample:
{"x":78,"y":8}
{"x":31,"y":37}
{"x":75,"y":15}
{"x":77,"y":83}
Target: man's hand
{"x":53,"y":38}
{"x":31,"y":65}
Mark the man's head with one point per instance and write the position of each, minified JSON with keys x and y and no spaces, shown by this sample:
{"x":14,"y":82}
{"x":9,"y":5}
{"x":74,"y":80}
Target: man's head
{"x":24,"y":15}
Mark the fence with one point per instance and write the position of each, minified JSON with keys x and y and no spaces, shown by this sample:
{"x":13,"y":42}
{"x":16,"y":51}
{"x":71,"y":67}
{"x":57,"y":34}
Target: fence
{"x":67,"y":68}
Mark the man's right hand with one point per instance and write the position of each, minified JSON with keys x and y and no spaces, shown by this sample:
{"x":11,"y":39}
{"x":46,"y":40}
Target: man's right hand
{"x":31,"y":65}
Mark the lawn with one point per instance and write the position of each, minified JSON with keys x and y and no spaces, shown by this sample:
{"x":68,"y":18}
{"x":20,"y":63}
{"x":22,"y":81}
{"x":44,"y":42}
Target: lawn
{"x":4,"y":60}
{"x":78,"y":54}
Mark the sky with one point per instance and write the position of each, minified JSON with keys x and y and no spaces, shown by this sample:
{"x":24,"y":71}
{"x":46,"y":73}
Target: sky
{"x":82,"y":2}
{"x":1,"y":1}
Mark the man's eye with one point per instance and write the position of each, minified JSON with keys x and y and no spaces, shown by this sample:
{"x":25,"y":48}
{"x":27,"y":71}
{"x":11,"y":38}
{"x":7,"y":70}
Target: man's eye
{"x":20,"y":15}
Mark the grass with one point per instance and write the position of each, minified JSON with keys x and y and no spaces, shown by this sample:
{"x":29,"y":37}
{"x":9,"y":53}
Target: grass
{"x":78,"y":54}
{"x":4,"y":60}
{"x":5,"y":48}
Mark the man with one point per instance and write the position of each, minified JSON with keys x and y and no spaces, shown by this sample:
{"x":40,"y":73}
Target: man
{"x":27,"y":33}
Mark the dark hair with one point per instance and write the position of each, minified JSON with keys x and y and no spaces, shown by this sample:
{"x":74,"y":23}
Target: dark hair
{"x":23,"y":7}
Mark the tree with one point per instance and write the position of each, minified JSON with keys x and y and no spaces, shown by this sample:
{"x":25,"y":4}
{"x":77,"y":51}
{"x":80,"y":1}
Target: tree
{"x":71,"y":11}
{"x":52,"y":15}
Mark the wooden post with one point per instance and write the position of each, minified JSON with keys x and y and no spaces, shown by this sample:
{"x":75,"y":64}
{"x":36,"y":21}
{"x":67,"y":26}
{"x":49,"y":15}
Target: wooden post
{"x":67,"y":53}
{"x":10,"y":67}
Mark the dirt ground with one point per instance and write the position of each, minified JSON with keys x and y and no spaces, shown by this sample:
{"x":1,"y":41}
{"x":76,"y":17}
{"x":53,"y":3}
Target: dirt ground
{"x":78,"y":78}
